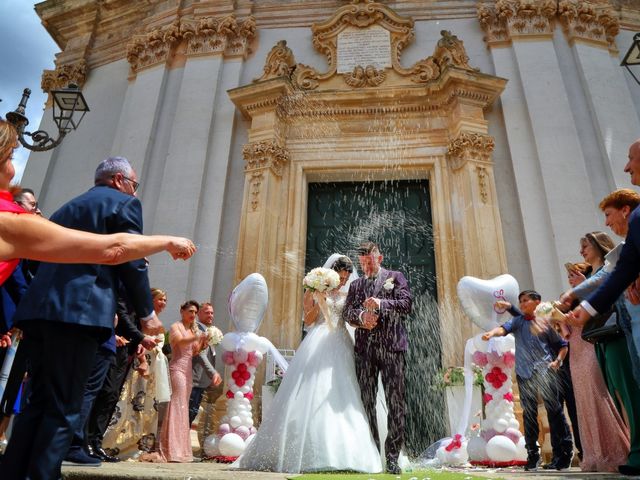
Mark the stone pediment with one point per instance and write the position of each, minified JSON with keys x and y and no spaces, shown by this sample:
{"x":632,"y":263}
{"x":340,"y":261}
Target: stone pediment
{"x":363,"y":44}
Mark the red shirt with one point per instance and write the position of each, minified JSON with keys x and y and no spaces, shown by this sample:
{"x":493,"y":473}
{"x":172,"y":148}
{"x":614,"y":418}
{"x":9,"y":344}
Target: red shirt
{"x":8,"y":205}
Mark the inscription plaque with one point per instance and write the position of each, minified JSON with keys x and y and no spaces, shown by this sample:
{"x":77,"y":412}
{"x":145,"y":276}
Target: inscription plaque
{"x":364,"y":46}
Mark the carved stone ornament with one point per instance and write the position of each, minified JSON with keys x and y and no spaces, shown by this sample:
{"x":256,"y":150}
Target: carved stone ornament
{"x":470,"y":146}
{"x":365,"y":77}
{"x":483,"y":184}
{"x":280,"y":62}
{"x":594,"y":22}
{"x":364,"y":14}
{"x":223,"y":35}
{"x":63,"y":75}
{"x":505,"y":19}
{"x":260,"y":157}
{"x":205,"y":36}
{"x":153,"y":47}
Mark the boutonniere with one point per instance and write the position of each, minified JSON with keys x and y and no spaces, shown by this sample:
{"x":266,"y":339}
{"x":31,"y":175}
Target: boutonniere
{"x":388,"y":284}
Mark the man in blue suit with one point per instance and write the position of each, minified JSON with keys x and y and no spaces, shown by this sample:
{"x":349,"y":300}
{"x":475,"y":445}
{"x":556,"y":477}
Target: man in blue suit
{"x":66,"y":314}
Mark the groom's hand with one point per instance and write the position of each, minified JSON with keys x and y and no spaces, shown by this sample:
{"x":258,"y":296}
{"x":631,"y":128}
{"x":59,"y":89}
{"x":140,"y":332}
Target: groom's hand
{"x":369,"y":320}
{"x":371,"y":304}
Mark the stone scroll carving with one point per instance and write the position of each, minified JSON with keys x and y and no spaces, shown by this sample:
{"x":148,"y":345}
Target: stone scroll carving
{"x":205,"y":36}
{"x":63,"y":75}
{"x":361,"y":14}
{"x":261,"y":157}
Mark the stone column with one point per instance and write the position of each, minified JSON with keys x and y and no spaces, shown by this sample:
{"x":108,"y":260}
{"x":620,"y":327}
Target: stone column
{"x":262,"y":229}
{"x":590,"y":28}
{"x":475,"y":206}
{"x":543,"y":140}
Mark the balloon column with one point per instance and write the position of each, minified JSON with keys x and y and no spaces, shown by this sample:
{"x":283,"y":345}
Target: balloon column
{"x":500,"y":442}
{"x":243,"y":352}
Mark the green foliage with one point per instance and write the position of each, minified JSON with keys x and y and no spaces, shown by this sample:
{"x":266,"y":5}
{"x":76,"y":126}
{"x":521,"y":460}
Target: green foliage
{"x":454,"y":376}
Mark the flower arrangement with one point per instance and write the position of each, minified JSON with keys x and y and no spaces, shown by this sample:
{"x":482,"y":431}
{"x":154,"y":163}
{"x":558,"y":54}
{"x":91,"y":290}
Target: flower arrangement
{"x":321,"y":280}
{"x":454,"y":376}
{"x":214,"y":335}
{"x":275,"y":383}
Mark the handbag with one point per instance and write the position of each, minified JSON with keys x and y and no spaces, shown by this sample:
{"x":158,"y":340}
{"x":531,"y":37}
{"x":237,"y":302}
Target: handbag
{"x":602,"y":327}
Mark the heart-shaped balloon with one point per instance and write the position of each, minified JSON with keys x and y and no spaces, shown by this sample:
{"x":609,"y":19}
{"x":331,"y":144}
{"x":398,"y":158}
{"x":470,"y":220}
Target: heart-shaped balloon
{"x":248,"y":303}
{"x":478,"y":297}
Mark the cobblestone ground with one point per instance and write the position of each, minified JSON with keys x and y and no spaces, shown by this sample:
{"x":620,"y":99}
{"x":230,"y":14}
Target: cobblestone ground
{"x":211,"y":471}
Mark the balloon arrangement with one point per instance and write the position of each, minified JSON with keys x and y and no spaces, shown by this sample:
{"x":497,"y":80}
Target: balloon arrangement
{"x":243,"y":352}
{"x":500,"y":442}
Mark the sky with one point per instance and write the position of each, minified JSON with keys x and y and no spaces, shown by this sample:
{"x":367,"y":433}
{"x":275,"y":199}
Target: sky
{"x":27,"y":50}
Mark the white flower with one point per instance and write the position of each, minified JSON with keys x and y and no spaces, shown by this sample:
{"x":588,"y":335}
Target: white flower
{"x":544,"y":310}
{"x":388,"y":284}
{"x":214,"y":335}
{"x":321,"y":279}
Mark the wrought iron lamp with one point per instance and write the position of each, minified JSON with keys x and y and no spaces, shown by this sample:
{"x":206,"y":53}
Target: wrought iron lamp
{"x":632,"y":58}
{"x":69,"y":108}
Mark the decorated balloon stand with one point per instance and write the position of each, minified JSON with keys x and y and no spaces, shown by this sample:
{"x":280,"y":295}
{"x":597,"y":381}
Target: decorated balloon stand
{"x":499,"y":442}
{"x":243,"y":351}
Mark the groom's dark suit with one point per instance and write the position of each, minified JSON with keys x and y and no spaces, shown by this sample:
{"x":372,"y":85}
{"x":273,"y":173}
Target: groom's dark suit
{"x":66,"y":313}
{"x":381,"y":350}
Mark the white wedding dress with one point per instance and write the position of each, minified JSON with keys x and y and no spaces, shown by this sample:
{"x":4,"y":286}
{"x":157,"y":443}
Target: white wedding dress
{"x":317,"y":421}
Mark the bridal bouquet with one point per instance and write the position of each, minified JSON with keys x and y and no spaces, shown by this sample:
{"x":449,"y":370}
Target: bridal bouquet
{"x":321,"y":280}
{"x":214,"y":335}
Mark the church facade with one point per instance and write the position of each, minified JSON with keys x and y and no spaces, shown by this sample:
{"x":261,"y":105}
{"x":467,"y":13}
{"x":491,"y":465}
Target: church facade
{"x":505,"y":121}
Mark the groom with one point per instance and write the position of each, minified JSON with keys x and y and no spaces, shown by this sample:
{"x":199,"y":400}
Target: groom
{"x":377,"y":305}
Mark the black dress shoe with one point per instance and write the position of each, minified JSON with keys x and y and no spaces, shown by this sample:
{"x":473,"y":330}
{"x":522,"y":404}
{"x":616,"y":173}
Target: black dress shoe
{"x":393,"y":468}
{"x":102,"y":454}
{"x":629,"y":470}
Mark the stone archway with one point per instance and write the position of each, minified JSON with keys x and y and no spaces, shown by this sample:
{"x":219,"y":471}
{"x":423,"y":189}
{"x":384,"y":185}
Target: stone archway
{"x":371,"y":123}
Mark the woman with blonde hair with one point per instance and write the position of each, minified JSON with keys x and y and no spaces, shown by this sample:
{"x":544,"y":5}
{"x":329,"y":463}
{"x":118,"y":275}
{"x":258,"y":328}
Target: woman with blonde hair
{"x":134,"y":426}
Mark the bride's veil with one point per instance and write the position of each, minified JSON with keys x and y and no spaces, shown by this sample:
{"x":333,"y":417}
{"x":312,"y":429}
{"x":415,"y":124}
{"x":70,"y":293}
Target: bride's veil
{"x":329,"y":264}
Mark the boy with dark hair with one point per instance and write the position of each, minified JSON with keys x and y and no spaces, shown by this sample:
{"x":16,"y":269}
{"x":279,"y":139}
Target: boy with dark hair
{"x":536,"y":372}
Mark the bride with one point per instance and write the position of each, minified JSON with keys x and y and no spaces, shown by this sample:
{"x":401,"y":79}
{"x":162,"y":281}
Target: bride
{"x":317,"y":421}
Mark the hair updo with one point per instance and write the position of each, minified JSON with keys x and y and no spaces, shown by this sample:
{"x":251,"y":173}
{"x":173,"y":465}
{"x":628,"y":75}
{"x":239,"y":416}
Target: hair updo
{"x":343,"y":263}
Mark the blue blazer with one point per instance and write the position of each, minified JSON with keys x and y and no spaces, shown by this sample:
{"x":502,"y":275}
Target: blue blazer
{"x":626,"y":270}
{"x":86,"y":294}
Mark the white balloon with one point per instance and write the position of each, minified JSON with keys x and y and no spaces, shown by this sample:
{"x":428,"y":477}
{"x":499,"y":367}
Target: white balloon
{"x":229,"y":341}
{"x":232,"y":386}
{"x":477,"y":448}
{"x":259,"y":356}
{"x":238,"y":395}
{"x":513,"y":423}
{"x":480,"y":344}
{"x":500,"y":425}
{"x":249,"y":422}
{"x":251,"y":370}
{"x":231,"y":445}
{"x":210,"y":446}
{"x":510,"y":342}
{"x":263,"y":344}
{"x":248,"y":303}
{"x":235,"y":421}
{"x":478,"y":296}
{"x":441,"y":455}
{"x":501,"y":449}
{"x":521,"y":450}
{"x":249,"y":440}
{"x":245,"y":389}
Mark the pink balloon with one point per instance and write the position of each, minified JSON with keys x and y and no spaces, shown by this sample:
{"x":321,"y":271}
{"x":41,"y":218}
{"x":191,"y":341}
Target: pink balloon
{"x":488,"y":434}
{"x":512,"y":434}
{"x":227,"y":358}
{"x":252,"y":359}
{"x":494,"y":358}
{"x":480,"y":358}
{"x":253,"y":430}
{"x":240,"y":356}
{"x":243,"y":431}
{"x":509,"y":359}
{"x":224,"y":428}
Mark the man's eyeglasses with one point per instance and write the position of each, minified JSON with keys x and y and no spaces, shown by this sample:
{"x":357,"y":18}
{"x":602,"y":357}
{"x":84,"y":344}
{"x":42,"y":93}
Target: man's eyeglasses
{"x":134,"y":184}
